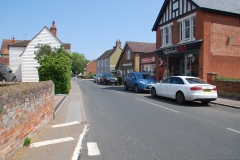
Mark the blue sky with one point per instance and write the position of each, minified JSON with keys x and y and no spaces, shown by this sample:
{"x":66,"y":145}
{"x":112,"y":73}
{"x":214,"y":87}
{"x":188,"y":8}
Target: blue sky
{"x":92,"y":27}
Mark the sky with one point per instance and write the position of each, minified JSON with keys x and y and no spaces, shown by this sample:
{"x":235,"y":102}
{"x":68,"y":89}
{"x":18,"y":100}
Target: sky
{"x":91,"y":26}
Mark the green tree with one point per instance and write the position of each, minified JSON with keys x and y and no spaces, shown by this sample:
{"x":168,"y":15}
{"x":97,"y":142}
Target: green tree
{"x":79,"y":62}
{"x":55,"y":65}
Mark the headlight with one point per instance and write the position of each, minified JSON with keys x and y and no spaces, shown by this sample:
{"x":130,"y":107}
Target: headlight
{"x":142,"y":82}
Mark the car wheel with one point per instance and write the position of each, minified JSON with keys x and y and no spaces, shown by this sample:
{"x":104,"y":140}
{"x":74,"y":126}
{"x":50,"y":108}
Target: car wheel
{"x":180,"y":98}
{"x":3,"y":80}
{"x":136,"y":88}
{"x":115,"y":83}
{"x":153,"y":92}
{"x":14,"y":79}
{"x":205,"y":102}
{"x":125,"y":86}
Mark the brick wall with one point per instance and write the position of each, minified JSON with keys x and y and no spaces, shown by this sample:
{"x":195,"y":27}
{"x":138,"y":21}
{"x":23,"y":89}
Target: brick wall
{"x":92,"y":67}
{"x":25,"y":109}
{"x":223,"y":86}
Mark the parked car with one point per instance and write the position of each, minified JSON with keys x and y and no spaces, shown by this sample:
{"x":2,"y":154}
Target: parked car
{"x":108,"y":78}
{"x":139,"y":81}
{"x":6,"y":74}
{"x":95,"y":78}
{"x":185,"y":88}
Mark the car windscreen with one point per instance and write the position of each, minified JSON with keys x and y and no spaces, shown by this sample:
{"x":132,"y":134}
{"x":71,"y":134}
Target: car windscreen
{"x":195,"y":81}
{"x":109,"y":75}
{"x":143,"y":76}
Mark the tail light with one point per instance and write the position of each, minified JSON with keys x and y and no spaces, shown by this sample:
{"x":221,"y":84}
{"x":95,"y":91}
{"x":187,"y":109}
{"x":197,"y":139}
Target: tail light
{"x":215,"y":88}
{"x":196,"y":88}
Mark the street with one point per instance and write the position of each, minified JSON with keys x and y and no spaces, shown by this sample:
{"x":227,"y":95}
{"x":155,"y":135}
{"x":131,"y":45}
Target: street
{"x":124,"y":125}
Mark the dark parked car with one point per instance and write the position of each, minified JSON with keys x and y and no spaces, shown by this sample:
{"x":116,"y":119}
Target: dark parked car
{"x":108,"y":78}
{"x":6,"y":74}
{"x":139,"y":81}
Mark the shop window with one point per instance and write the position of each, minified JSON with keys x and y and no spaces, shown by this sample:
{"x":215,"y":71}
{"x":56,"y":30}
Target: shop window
{"x":187,"y":28}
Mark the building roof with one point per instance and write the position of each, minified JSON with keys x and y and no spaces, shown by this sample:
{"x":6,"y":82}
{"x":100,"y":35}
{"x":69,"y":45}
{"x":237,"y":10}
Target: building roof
{"x":5,"y":43}
{"x":141,"y":46}
{"x":230,"y":7}
{"x":107,"y":53}
{"x":22,"y":43}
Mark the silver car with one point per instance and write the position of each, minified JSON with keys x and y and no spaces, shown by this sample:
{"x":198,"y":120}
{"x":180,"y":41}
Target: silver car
{"x":6,"y":74}
{"x":185,"y":88}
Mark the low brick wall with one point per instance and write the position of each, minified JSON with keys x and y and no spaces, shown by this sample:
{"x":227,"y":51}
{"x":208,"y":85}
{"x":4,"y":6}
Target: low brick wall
{"x":231,"y":87}
{"x":25,"y":108}
{"x":227,"y":86}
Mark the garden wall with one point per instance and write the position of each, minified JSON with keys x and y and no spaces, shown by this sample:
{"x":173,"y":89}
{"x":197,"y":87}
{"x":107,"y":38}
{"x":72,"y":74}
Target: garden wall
{"x":224,"y":87}
{"x":25,"y":108}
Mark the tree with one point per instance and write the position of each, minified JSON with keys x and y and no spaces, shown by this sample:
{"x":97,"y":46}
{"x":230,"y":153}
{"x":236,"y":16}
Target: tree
{"x":79,"y":62}
{"x":55,"y":65}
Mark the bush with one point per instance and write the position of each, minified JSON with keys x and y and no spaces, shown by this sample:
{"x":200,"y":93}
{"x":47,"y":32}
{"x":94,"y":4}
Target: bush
{"x":56,"y":66}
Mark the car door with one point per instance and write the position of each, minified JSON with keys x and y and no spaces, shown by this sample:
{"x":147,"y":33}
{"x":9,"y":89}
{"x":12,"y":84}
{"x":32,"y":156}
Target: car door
{"x":174,"y":85}
{"x":131,"y":80}
{"x":162,"y":88}
{"x":8,"y":74}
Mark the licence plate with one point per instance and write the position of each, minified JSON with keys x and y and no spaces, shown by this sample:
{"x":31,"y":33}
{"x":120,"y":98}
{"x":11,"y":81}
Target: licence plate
{"x":112,"y":81}
{"x":207,"y":90}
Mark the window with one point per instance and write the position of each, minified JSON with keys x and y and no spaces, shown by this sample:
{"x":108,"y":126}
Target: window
{"x":187,"y":28}
{"x":166,"y":35}
{"x":102,"y":62}
{"x":106,"y":62}
{"x":98,"y":62}
{"x":128,"y":55}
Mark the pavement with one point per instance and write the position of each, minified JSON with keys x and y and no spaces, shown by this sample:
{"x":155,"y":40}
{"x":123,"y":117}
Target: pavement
{"x":62,"y":138}
{"x":66,"y":109}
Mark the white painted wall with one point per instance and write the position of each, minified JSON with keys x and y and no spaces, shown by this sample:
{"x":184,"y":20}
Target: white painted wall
{"x":28,"y":63}
{"x":15,"y":61}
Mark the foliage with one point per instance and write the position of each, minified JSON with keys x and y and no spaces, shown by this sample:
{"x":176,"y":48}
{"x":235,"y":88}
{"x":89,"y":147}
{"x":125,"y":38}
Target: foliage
{"x":1,"y":110}
{"x":55,"y":65}
{"x":229,"y":95}
{"x":227,"y":79}
{"x":27,"y":141}
{"x":79,"y":62}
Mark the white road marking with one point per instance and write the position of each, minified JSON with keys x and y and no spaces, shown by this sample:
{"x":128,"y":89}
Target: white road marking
{"x":78,"y":148}
{"x":44,"y":143}
{"x":93,"y":149}
{"x":119,"y":92}
{"x":65,"y":124}
{"x":233,"y":130}
{"x":157,"y":105}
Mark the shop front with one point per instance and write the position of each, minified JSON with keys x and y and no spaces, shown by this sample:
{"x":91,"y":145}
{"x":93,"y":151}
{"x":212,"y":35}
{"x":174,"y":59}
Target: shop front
{"x":148,"y":64}
{"x":179,"y":60}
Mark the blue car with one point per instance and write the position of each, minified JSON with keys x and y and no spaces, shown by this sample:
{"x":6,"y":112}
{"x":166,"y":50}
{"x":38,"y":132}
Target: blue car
{"x":139,"y":81}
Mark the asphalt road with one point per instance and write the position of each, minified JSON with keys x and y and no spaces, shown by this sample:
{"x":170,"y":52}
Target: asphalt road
{"x":124,"y":125}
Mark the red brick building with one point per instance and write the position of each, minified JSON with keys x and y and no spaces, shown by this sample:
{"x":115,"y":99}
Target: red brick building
{"x":194,"y":37}
{"x":129,"y":60}
{"x":91,"y":67}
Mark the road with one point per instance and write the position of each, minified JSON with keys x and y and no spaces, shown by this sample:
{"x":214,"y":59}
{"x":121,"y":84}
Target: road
{"x":124,"y":125}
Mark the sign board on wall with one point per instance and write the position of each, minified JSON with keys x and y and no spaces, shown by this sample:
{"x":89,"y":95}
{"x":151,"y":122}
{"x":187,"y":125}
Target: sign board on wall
{"x":148,"y":59}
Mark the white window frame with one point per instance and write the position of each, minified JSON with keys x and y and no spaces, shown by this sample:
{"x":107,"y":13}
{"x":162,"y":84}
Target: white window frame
{"x":183,"y":28}
{"x":106,"y":62}
{"x":128,"y":55}
{"x":166,"y":35}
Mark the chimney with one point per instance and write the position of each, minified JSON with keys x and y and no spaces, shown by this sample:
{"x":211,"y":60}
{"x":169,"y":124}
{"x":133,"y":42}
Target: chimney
{"x":118,"y":43}
{"x":13,"y":40}
{"x":53,"y":29}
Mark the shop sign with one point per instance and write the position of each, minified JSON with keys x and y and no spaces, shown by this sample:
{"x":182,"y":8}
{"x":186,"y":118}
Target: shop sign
{"x":148,"y":59}
{"x":127,"y":64}
{"x":175,"y":49}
